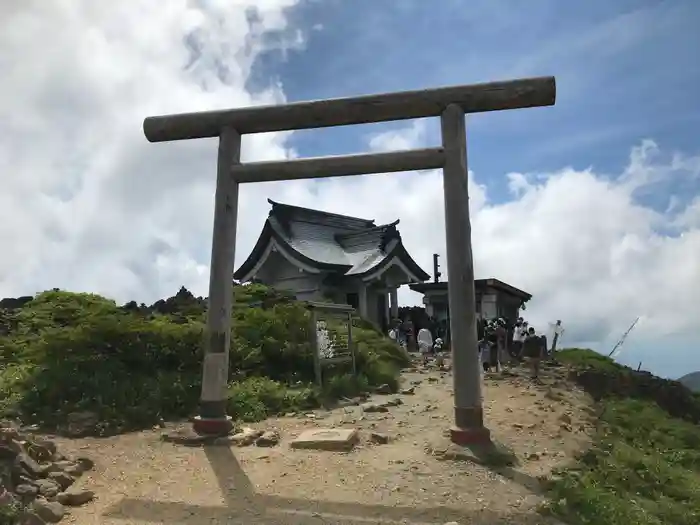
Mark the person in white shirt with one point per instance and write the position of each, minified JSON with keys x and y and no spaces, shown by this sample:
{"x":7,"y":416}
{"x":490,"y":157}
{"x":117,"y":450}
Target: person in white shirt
{"x":518,"y":338}
{"x":425,"y":343}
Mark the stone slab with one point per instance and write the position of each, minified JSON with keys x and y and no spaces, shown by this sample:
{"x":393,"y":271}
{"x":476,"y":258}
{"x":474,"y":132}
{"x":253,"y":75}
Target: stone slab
{"x":333,"y":439}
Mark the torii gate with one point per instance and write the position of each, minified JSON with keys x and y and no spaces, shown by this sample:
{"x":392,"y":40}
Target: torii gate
{"x":450,"y":104}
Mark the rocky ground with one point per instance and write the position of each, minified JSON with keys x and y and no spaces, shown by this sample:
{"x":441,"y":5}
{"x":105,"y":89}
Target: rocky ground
{"x":36,"y":476}
{"x":395,"y":473}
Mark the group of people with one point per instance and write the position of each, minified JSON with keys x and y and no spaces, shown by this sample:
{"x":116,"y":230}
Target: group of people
{"x":406,"y":333}
{"x":501,"y":342}
{"x":427,"y":342}
{"x":428,"y":348}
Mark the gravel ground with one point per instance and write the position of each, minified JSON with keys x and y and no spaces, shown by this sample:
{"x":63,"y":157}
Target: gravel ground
{"x":140,"y":480}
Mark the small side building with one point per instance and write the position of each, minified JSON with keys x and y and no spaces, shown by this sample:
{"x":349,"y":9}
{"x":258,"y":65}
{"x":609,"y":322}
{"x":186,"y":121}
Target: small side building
{"x":494,"y":298}
{"x":325,"y":256}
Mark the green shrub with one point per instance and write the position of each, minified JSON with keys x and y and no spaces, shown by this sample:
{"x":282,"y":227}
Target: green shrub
{"x":256,"y":398}
{"x":10,"y":514}
{"x":585,"y":357}
{"x":345,"y":385}
{"x":643,"y":467}
{"x":65,"y":352}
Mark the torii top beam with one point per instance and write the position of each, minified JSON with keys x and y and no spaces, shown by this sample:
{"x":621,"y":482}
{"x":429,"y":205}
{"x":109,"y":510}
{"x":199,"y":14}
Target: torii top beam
{"x":474,"y":98}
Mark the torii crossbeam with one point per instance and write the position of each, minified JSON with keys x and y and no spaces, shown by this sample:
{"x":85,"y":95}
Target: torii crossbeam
{"x":450,"y":104}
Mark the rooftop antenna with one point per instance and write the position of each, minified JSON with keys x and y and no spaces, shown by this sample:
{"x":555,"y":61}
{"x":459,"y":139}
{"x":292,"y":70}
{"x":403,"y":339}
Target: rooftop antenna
{"x":622,"y":339}
{"x":436,"y":266}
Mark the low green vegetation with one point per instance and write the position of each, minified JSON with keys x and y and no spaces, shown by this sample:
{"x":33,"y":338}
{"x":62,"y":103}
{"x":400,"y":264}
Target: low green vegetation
{"x":10,"y":513}
{"x":644,"y":465}
{"x":133,"y":364}
{"x":68,"y":352}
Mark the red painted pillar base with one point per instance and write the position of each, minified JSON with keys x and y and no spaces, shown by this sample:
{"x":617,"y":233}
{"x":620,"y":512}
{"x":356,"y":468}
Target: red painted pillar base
{"x":470,"y":436}
{"x":469,"y":427}
{"x":212,"y":426}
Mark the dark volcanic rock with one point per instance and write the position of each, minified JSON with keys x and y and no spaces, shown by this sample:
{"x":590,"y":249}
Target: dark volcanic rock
{"x":36,"y":478}
{"x":671,"y":396}
{"x":15,"y":302}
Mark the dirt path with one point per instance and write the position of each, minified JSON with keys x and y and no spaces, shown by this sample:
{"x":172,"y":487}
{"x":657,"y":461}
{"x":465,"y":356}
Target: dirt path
{"x":140,"y":480}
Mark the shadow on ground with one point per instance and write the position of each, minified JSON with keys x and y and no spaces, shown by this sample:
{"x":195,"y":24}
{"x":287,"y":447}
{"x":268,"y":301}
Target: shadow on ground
{"x":492,"y":455}
{"x":531,"y":483}
{"x":243,"y":505}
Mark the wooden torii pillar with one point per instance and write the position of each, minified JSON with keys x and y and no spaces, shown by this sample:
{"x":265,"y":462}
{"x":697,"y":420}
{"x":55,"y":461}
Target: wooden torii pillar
{"x":448,"y":103}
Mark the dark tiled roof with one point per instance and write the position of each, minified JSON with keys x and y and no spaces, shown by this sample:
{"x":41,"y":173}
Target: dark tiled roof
{"x":479,"y":284}
{"x":349,"y":245}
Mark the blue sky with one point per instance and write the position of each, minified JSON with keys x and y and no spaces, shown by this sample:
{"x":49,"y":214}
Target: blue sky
{"x":592,"y":205}
{"x":626,"y":70}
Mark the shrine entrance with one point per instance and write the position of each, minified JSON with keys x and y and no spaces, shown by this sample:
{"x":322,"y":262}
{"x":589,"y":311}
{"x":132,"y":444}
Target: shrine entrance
{"x":448,"y":103}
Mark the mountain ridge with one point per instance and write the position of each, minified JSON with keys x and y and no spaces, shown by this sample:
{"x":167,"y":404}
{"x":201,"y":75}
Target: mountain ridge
{"x":691,"y":381}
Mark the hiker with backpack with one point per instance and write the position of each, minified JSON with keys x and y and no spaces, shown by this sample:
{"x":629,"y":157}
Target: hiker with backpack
{"x":533,"y":351}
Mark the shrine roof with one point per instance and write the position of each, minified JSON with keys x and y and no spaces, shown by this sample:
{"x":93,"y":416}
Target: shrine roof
{"x":329,"y":241}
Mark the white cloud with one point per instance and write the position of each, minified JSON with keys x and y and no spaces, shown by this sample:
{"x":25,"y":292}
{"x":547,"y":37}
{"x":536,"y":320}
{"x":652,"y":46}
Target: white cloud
{"x":88,"y":204}
{"x":401,"y":139}
{"x":578,"y":241}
